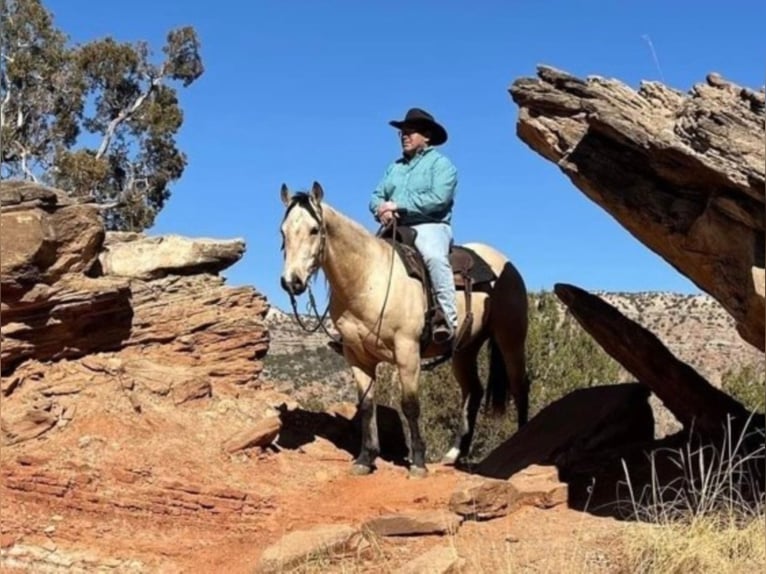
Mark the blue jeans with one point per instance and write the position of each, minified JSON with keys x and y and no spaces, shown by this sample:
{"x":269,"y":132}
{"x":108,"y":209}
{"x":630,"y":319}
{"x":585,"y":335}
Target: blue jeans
{"x":433,"y":242}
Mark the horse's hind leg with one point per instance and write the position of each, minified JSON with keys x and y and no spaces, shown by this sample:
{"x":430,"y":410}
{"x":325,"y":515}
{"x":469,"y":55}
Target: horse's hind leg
{"x":465,"y":370}
{"x":408,"y":363}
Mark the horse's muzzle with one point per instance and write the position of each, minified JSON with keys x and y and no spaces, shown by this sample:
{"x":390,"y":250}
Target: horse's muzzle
{"x":295,"y":286}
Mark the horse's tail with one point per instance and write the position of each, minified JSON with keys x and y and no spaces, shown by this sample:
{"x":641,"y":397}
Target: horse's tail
{"x":498,"y":384}
{"x":508,"y":375}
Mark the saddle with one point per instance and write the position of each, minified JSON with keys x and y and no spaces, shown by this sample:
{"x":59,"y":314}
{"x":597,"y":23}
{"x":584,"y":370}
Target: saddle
{"x":469,"y":269}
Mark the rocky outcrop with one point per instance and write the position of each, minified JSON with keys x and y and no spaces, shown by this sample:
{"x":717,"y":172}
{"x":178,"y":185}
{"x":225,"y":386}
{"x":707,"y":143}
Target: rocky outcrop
{"x":141,"y":257}
{"x":45,"y":235}
{"x":127,"y":363}
{"x":683,"y":173}
{"x":72,"y":291}
{"x":74,"y":316}
{"x":692,"y":400}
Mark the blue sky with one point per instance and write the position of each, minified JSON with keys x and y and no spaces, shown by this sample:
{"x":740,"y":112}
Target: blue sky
{"x":296,"y":91}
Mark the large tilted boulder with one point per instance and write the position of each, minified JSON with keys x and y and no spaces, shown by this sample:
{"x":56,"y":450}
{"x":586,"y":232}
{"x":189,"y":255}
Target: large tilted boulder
{"x":682,"y":172}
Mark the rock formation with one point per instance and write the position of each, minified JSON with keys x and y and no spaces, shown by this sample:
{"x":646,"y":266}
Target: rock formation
{"x":683,"y":173}
{"x":70,"y":290}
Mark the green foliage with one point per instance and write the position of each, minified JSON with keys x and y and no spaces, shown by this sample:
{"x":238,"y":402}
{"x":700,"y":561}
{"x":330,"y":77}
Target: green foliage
{"x":561,"y":357}
{"x":747,"y":384}
{"x":98,"y":120}
{"x":306,"y":366}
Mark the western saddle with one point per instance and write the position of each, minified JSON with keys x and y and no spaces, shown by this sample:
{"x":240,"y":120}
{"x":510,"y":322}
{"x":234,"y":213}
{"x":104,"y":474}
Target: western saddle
{"x":470,"y":271}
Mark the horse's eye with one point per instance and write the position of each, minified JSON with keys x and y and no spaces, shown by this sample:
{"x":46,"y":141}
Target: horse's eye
{"x":314,"y":230}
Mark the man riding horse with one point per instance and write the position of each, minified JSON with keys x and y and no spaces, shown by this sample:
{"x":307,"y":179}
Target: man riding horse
{"x":418,"y":189}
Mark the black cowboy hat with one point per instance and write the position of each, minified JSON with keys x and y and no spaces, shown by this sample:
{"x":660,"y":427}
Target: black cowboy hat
{"x":420,"y":118}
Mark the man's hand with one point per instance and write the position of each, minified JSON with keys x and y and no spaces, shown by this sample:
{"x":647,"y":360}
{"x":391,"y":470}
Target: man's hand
{"x":387,"y":217}
{"x":387,"y":212}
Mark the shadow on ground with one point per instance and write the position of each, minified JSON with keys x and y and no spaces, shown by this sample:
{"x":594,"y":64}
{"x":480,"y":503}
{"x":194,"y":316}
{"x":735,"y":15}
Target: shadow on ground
{"x":601,"y":440}
{"x":300,"y":427}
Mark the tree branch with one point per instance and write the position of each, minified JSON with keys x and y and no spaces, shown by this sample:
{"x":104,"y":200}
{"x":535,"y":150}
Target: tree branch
{"x":23,"y":154}
{"x":127,"y":113}
{"x":7,"y":85}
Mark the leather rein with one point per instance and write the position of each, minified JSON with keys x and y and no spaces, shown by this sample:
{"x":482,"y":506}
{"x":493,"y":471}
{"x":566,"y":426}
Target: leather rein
{"x":318,"y":217}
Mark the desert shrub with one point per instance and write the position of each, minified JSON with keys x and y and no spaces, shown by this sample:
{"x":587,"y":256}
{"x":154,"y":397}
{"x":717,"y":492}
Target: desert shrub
{"x":710,"y":518}
{"x":747,"y":384}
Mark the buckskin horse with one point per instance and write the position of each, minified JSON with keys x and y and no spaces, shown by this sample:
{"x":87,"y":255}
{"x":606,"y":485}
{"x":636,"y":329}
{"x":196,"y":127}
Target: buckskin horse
{"x":381,"y":303}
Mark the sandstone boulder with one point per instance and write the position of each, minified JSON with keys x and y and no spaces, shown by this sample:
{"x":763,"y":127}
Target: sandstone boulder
{"x":69,"y":289}
{"x":692,"y":400}
{"x":45,"y":236}
{"x":142,"y":257}
{"x":682,"y":172}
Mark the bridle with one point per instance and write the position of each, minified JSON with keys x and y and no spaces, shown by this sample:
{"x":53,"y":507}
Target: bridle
{"x":315,"y":210}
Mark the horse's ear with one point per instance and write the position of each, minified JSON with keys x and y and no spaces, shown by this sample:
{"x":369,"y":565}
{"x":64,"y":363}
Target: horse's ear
{"x":317,"y":192}
{"x":284,"y":193}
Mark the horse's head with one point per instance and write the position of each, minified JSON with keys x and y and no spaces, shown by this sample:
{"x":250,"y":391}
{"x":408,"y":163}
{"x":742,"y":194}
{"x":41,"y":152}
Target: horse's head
{"x":303,"y":237}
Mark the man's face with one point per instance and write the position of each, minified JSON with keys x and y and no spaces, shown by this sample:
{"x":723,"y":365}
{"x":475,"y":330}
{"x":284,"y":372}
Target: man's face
{"x":412,"y":140}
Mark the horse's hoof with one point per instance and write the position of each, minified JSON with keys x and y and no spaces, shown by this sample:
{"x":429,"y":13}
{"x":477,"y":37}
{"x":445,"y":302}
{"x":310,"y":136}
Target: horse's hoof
{"x":360,"y":470}
{"x":418,"y":472}
{"x":451,"y":457}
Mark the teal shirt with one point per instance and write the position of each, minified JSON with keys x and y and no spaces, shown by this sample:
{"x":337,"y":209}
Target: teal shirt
{"x":425,"y":186}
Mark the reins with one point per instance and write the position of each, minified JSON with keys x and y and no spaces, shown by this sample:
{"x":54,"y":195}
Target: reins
{"x":320,"y":320}
{"x":312,"y":301}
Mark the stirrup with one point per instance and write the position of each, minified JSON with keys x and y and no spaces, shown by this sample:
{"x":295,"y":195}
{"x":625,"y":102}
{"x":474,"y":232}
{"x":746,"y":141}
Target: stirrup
{"x":442,"y":334}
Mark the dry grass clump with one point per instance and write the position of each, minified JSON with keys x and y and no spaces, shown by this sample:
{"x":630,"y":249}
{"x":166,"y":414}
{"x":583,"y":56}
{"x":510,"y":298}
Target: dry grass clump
{"x":705,"y":544}
{"x":710,"y":518}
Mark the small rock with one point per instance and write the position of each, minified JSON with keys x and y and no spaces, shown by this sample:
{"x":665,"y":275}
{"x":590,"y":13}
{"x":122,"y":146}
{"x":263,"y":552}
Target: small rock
{"x":415,"y":523}
{"x":262,"y":434}
{"x":50,"y":529}
{"x":65,"y":388}
{"x":539,"y":486}
{"x":301,"y":545}
{"x":481,"y":498}
{"x":30,"y":425}
{"x":485,"y":498}
{"x":69,"y":412}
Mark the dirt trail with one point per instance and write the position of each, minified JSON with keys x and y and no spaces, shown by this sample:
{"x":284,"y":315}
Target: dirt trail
{"x":140,"y":484}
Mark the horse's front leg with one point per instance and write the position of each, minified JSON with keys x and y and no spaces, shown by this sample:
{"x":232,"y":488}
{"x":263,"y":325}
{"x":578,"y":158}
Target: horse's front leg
{"x":408,"y":363}
{"x":370,"y":448}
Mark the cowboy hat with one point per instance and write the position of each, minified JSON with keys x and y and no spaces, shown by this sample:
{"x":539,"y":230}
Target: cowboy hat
{"x":416,"y":117}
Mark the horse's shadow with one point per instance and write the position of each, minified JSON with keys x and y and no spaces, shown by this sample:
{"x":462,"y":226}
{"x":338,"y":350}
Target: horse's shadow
{"x":301,"y":427}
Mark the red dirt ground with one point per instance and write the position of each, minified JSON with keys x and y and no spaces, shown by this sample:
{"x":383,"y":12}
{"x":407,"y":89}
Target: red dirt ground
{"x":153,"y":491}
